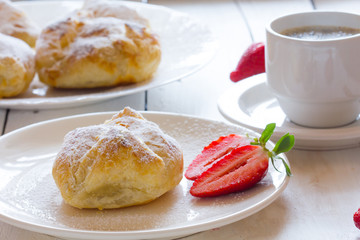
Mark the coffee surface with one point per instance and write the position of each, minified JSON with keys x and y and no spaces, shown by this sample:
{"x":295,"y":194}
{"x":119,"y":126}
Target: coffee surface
{"x":320,"y":32}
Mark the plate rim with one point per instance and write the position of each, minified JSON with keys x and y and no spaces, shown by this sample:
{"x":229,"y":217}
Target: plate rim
{"x":155,"y":233}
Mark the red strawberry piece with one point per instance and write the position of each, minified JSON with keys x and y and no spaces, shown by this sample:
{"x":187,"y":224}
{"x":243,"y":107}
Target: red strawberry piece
{"x":239,"y":170}
{"x":252,"y":62}
{"x":212,"y":153}
{"x":357,"y":218}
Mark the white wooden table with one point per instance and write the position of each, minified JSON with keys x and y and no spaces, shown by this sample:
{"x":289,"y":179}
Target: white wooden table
{"x":324,"y":192}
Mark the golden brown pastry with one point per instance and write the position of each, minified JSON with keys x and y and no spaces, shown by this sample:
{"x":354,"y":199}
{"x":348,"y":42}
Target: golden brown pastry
{"x":17,"y":66}
{"x":95,"y":48}
{"x":16,"y":23}
{"x":125,"y":161}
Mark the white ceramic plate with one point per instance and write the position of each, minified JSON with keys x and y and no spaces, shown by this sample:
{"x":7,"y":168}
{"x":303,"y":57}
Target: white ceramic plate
{"x":250,"y":103}
{"x":187,"y":45}
{"x":29,"y":198}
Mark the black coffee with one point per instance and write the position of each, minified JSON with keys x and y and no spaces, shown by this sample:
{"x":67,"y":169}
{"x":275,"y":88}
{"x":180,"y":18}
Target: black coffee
{"x":320,"y":32}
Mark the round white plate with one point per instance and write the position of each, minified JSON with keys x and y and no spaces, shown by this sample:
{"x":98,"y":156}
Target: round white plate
{"x":250,"y":103}
{"x":29,"y":198}
{"x":187,"y":45}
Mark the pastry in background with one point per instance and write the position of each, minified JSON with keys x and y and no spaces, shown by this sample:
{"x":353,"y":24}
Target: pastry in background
{"x":16,"y":23}
{"x":126,"y":161}
{"x":94,"y":47}
{"x":17,"y":66}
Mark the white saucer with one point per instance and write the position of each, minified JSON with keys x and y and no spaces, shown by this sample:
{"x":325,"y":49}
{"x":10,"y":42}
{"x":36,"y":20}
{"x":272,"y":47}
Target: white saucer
{"x":250,"y":103}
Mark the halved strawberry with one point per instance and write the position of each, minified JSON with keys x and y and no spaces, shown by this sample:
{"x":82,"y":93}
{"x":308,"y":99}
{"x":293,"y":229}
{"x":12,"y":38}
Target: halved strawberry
{"x":212,"y":153}
{"x":241,"y":169}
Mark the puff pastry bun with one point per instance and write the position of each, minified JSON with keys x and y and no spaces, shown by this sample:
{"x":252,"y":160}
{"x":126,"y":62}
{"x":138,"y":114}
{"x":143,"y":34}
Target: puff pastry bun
{"x":16,"y":23}
{"x":125,"y":161}
{"x":17,"y":66}
{"x":102,"y":45}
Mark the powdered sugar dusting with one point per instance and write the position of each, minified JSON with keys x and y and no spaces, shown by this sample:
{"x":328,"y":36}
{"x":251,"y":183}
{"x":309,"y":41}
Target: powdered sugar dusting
{"x":79,"y":141}
{"x":105,"y":137}
{"x":113,"y":9}
{"x":195,"y":134}
{"x":149,"y":133}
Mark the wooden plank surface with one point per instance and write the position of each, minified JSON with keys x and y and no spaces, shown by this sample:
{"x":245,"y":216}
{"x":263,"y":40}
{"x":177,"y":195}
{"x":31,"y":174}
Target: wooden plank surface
{"x":21,"y":118}
{"x":336,"y":5}
{"x":324,"y":191}
{"x":198,"y":93}
{"x":259,"y":13}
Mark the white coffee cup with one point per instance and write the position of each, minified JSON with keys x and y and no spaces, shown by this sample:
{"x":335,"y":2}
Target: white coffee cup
{"x":316,"y":82}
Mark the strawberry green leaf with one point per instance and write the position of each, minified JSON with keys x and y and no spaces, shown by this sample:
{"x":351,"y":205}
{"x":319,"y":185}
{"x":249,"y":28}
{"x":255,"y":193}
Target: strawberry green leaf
{"x":284,"y":144}
{"x":273,"y":163}
{"x":255,"y":142}
{"x":266,"y":134}
{"x":287,"y":168}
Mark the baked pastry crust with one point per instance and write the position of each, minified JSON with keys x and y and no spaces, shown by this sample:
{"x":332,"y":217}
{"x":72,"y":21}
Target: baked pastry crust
{"x":94,"y":47}
{"x":125,"y":161}
{"x":16,"y":23}
{"x":17,"y":66}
